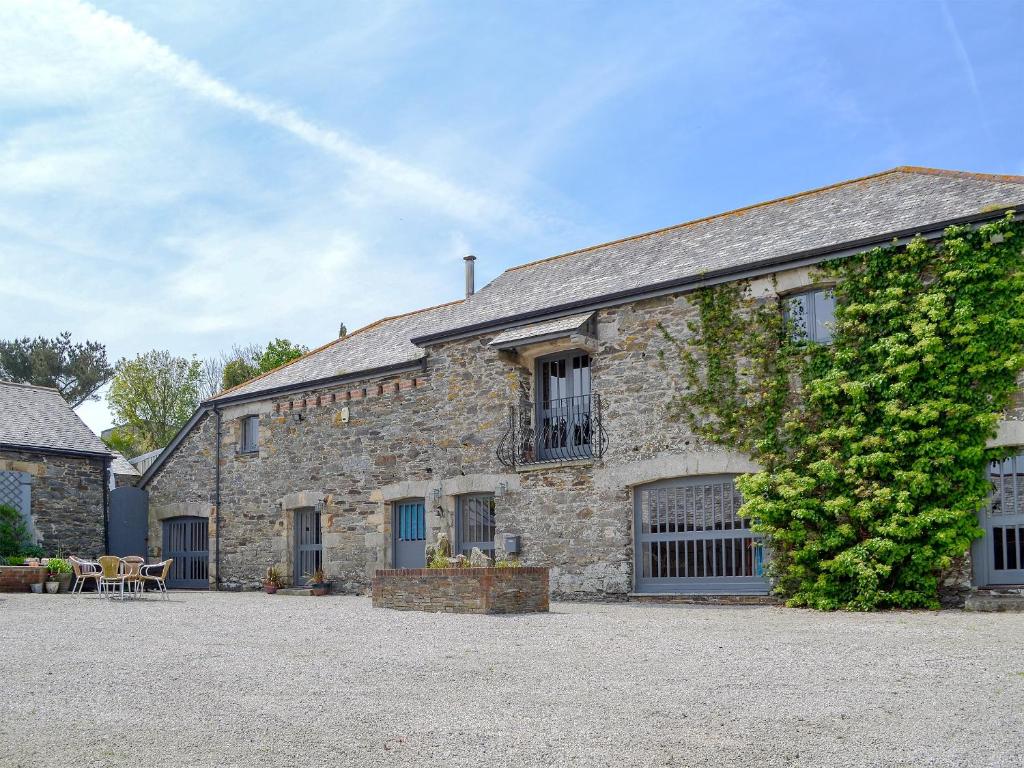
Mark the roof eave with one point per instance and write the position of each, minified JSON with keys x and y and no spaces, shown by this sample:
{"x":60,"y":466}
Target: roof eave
{"x":56,"y":451}
{"x":726,"y":274}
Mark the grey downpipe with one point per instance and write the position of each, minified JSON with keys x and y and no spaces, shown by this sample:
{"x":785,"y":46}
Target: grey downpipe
{"x":216,"y":498}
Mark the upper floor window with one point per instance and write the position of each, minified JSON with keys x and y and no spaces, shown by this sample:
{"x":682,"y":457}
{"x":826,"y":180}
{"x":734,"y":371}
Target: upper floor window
{"x":812,"y":315}
{"x":563,"y":407}
{"x":250,"y":434}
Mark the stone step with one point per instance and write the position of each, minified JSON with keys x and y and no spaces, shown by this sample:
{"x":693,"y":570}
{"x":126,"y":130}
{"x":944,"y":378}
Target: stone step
{"x":995,"y":600}
{"x":296,"y":591}
{"x":673,"y":598}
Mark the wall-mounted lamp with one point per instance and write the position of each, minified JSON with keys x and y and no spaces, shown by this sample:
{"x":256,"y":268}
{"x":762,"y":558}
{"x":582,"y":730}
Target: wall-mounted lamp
{"x":297,"y":417}
{"x":500,"y":490}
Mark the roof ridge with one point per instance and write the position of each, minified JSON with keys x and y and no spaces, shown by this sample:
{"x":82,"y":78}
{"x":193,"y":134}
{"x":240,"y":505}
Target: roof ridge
{"x":332,"y":342}
{"x":774,"y":201}
{"x":26,"y":385}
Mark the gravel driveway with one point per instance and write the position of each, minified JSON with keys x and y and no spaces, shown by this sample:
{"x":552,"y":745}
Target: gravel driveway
{"x":248,"y":679}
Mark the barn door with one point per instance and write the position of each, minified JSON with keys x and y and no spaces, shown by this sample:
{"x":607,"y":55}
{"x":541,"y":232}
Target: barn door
{"x":187,"y":541}
{"x":689,"y":539}
{"x":1003,"y":523}
{"x":308,"y":545}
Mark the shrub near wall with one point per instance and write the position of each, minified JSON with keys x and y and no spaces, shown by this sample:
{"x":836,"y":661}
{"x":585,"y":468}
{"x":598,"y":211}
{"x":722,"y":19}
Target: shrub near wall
{"x":875,"y":447}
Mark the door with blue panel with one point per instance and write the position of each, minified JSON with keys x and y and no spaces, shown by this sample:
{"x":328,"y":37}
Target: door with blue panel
{"x":409,"y":525}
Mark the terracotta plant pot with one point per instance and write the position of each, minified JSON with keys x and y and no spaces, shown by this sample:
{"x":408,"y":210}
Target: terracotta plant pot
{"x":318,"y":590}
{"x":269,"y":589}
{"x":52,"y":587}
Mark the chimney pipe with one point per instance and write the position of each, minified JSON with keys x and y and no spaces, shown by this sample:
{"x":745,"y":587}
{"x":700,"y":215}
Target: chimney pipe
{"x":470,"y":280}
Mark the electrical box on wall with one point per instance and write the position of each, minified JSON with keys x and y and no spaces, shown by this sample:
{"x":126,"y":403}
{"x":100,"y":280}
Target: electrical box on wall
{"x":344,"y":415}
{"x":510,"y":543}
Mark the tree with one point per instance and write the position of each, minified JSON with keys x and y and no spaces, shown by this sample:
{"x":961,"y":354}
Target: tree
{"x":154,"y":395}
{"x":238,"y":372}
{"x":124,"y":441}
{"x":74,"y":370}
{"x":279,"y":352}
{"x":212,"y":382}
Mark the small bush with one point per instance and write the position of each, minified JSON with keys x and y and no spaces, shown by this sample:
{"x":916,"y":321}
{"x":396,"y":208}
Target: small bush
{"x":14,"y":560}
{"x":58,"y":565}
{"x":14,"y":538}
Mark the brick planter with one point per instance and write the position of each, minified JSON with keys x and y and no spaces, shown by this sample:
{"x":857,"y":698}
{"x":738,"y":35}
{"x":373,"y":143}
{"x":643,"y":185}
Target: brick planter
{"x":462,"y":590}
{"x":20,"y":578}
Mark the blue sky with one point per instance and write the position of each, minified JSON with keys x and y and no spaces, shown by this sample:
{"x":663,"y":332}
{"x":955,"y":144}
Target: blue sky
{"x":190,"y":175}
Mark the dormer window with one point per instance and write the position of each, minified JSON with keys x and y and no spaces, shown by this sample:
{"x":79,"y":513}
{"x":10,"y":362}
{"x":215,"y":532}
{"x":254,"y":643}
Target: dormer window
{"x":811,"y":315}
{"x":250,"y":435}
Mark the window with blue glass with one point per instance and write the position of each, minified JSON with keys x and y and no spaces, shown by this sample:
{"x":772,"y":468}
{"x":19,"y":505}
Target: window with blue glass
{"x":811,"y":315}
{"x":411,"y":520}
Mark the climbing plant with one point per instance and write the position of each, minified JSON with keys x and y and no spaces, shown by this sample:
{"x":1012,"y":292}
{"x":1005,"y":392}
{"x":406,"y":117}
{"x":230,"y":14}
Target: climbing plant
{"x":873,"y":448}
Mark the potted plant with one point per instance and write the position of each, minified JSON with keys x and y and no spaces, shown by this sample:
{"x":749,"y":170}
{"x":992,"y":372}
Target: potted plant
{"x":318,"y":582}
{"x":272,"y":581}
{"x":60,"y":571}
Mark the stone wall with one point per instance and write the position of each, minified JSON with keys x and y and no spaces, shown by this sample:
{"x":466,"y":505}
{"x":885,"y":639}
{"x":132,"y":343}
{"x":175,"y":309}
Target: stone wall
{"x":462,"y":590}
{"x":67,"y":500}
{"x":352,"y":450}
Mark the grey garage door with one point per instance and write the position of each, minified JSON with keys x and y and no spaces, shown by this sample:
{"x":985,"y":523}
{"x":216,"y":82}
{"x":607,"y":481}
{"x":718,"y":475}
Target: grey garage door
{"x":187,"y":541}
{"x":688,"y":539}
{"x":1001,"y":556}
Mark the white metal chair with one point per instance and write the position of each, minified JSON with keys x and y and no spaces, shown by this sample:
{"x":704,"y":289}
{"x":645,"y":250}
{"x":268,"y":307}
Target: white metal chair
{"x":84,"y":571}
{"x":157,"y":573}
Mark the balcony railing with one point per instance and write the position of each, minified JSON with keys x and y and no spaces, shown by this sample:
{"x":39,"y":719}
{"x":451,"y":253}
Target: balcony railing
{"x":559,"y":430}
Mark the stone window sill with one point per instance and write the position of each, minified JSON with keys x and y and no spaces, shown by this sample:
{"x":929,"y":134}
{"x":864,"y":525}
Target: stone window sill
{"x":542,"y":465}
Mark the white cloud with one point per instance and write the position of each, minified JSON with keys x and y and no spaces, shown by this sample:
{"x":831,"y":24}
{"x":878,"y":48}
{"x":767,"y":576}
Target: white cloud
{"x":106,"y":45}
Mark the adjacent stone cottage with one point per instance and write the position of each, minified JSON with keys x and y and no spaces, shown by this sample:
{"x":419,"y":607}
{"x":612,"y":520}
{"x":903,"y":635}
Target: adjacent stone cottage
{"x":53,"y":469}
{"x":529,"y":416}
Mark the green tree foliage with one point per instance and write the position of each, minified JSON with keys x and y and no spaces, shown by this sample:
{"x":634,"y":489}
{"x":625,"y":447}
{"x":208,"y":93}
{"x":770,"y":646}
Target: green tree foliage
{"x":873,"y":448}
{"x":75,"y":370}
{"x":153,"y":396}
{"x":14,"y":537}
{"x":238,"y":371}
{"x":279,"y":352}
{"x":124,"y":441}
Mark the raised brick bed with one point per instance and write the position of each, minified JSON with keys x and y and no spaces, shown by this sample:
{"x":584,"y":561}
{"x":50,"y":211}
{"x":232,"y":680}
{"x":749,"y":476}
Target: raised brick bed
{"x":462,"y":590}
{"x":20,"y":578}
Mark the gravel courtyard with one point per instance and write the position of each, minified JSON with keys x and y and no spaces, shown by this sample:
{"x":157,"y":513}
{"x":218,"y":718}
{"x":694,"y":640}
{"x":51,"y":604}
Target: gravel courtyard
{"x":248,"y":679}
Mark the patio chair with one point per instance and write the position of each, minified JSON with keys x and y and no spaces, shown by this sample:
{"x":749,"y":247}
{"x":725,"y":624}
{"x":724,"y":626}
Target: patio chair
{"x":84,"y":570}
{"x":132,"y":570}
{"x":157,"y":573}
{"x":112,"y":575}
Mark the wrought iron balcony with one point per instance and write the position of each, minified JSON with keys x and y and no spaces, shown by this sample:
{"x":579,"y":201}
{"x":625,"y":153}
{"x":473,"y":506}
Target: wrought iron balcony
{"x":565,"y":429}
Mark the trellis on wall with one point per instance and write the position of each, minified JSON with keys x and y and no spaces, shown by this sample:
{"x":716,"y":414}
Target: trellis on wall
{"x":16,"y":491}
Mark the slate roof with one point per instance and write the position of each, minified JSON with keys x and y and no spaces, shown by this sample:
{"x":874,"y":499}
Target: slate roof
{"x":38,"y":417}
{"x":884,"y":203}
{"x":902,"y":199}
{"x":122,"y":466}
{"x":378,"y":345}
{"x":558,"y":326}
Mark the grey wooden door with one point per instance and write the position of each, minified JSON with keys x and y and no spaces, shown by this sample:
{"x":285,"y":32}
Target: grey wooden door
{"x":409,"y":540}
{"x":186,"y":539}
{"x":1002,"y":546}
{"x":128,"y":521}
{"x":689,"y":539}
{"x":308,"y":545}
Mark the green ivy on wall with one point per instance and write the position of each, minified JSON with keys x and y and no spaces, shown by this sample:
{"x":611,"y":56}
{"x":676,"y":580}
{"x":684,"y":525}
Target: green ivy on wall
{"x":873,"y":447}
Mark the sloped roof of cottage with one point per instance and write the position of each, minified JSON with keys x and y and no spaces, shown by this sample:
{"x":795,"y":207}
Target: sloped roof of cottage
{"x":122,"y":466}
{"x":872,"y":209}
{"x":382,"y":344}
{"x":38,"y":417}
{"x":904,"y":200}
